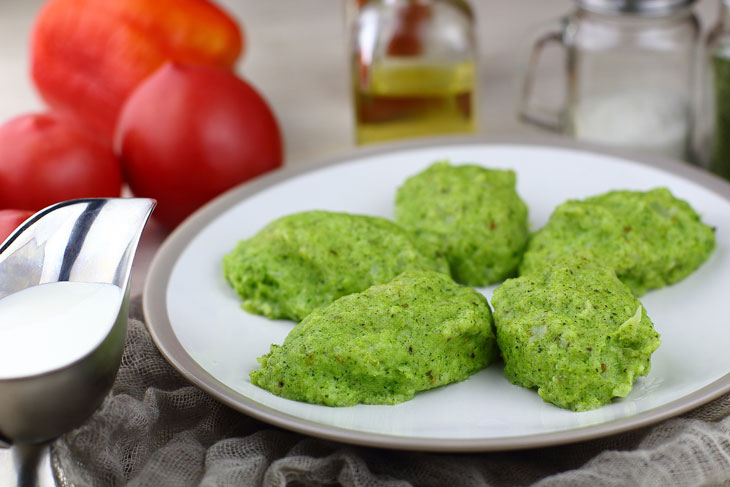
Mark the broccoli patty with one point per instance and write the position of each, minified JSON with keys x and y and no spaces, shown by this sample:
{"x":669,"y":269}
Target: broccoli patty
{"x":305,"y":260}
{"x":383,"y":345}
{"x":650,"y":239}
{"x":575,"y":332}
{"x":472,"y":214}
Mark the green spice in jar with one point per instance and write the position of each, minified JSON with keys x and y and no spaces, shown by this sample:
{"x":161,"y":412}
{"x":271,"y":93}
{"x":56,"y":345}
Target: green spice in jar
{"x":721,"y":146}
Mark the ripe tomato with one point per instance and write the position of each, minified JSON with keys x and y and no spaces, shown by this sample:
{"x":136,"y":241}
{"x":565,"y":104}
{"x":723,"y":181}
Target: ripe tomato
{"x":188,"y":133}
{"x":45,"y":159}
{"x":9,"y":221}
{"x":87,"y":56}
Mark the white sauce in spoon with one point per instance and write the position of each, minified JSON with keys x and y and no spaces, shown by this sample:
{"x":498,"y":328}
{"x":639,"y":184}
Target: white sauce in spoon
{"x":51,"y":325}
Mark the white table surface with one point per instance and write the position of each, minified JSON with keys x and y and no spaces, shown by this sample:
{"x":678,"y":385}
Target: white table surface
{"x":296,"y":56}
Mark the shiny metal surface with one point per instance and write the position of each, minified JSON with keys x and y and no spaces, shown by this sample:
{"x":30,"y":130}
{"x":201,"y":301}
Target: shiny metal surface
{"x":636,"y":7}
{"x":27,"y":465}
{"x":90,"y":240}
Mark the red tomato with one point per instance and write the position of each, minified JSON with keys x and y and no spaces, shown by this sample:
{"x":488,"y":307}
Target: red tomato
{"x":188,"y":133}
{"x":87,"y":56}
{"x":9,"y":221}
{"x":45,"y":159}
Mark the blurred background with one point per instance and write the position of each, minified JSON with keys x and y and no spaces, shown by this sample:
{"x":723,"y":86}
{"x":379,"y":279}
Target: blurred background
{"x":296,"y":55}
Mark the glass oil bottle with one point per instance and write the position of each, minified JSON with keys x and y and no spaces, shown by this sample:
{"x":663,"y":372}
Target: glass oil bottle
{"x":413,"y":69}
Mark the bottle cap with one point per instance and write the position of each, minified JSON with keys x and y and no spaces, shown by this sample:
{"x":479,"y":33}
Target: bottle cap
{"x":648,"y":8}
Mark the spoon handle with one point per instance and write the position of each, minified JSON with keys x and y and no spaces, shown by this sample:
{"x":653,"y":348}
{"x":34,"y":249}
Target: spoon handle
{"x":27,"y":465}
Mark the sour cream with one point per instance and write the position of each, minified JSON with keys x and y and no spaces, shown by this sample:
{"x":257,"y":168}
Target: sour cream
{"x":52,"y":325}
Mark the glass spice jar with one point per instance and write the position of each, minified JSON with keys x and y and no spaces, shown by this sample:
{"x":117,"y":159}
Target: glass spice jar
{"x":718,"y":92}
{"x":629,"y":75}
{"x":413,"y":68}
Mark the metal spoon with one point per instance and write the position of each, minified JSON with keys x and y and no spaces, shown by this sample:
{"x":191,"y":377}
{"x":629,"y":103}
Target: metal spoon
{"x":89,"y":240}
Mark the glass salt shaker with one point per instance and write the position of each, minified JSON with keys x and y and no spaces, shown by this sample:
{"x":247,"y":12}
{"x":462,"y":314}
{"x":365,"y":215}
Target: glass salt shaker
{"x":413,"y":68}
{"x":628,"y":77}
{"x":718,"y":94}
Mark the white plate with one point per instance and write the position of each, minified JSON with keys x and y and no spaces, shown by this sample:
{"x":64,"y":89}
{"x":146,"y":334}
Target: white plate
{"x":196,"y":320}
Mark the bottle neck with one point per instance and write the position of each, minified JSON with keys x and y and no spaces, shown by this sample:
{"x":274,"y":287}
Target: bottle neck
{"x":717,"y":39}
{"x":724,"y":16}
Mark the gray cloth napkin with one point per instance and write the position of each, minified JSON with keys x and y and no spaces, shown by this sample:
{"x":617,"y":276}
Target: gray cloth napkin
{"x":155,"y":429}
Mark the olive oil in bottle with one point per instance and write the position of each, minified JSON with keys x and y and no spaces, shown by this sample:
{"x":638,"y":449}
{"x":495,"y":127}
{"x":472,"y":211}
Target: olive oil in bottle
{"x":404,"y":99}
{"x":413,"y":69}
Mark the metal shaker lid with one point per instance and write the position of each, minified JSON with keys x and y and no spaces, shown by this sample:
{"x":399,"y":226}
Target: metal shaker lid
{"x":648,"y":8}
